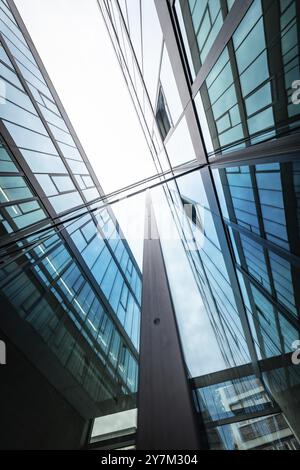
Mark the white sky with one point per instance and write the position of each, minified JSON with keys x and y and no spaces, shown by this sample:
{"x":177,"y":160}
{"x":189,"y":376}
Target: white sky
{"x":71,"y":38}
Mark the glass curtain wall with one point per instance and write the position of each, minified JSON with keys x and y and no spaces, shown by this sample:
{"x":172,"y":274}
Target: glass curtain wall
{"x":68,"y":277}
{"x":236,"y":245}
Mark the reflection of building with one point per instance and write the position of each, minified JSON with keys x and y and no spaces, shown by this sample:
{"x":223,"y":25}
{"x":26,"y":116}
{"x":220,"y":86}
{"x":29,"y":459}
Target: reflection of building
{"x":115,"y":431}
{"x":70,"y":296}
{"x":211,"y":82}
{"x":267,"y":432}
{"x":261,"y":199}
{"x":240,"y":415}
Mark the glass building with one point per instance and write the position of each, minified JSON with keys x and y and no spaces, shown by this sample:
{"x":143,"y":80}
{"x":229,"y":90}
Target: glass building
{"x":70,"y":288}
{"x":201,"y":350}
{"x":214,"y":84}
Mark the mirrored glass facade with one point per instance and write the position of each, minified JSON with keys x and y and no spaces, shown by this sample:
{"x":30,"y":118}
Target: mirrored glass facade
{"x":70,"y":287}
{"x":247,"y":96}
{"x":227,"y":72}
{"x":214,"y":329}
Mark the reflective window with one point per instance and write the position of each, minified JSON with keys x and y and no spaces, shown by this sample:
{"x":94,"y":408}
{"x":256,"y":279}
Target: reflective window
{"x":70,"y":152}
{"x":201,"y":22}
{"x":63,"y":183}
{"x":91,"y":194}
{"x":257,"y":201}
{"x":30,"y":140}
{"x":6,"y":163}
{"x":265,"y":433}
{"x":170,"y":88}
{"x":163,"y":117}
{"x":115,"y":425}
{"x":13,"y":188}
{"x":66,"y":201}
{"x":247,"y":94}
{"x":238,"y":397}
{"x":218,"y":315}
{"x":257,"y":205}
{"x":179,"y":146}
{"x":55,"y":287}
{"x":89,"y":318}
{"x":152,"y":40}
{"x":42,"y":163}
{"x":78,"y":167}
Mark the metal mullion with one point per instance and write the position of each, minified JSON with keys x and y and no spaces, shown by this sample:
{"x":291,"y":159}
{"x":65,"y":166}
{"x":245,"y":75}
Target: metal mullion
{"x":238,"y":90}
{"x":11,"y":83}
{"x":288,"y":316}
{"x":290,"y":203}
{"x":288,"y":140}
{"x":211,"y":24}
{"x":17,"y":202}
{"x":19,"y":106}
{"x":5,"y":12}
{"x":79,"y":339}
{"x":97,"y":289}
{"x":132,"y":84}
{"x":55,"y":125}
{"x":11,"y":173}
{"x":190,"y":35}
{"x":272,"y":28}
{"x":112,"y":253}
{"x":265,"y":251}
{"x":230,"y":265}
{"x":16,"y":45}
{"x":54,"y":284}
{"x":24,"y":250}
{"x":25,"y":169}
{"x":53,"y":92}
{"x":43,"y":120}
{"x":232,"y":21}
{"x":119,"y":55}
{"x":281,"y":252}
{"x":244,"y":417}
{"x":225,"y":375}
{"x":238,"y":372}
{"x":167,"y":19}
{"x":237,"y":240}
{"x":5,"y":64}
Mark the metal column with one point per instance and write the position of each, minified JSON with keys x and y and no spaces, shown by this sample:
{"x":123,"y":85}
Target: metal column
{"x":167,"y":419}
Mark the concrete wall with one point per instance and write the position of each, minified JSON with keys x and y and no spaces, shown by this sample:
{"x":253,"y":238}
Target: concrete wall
{"x":33,"y":415}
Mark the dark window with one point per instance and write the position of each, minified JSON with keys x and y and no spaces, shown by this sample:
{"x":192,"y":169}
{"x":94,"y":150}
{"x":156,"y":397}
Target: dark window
{"x":163,"y":118}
